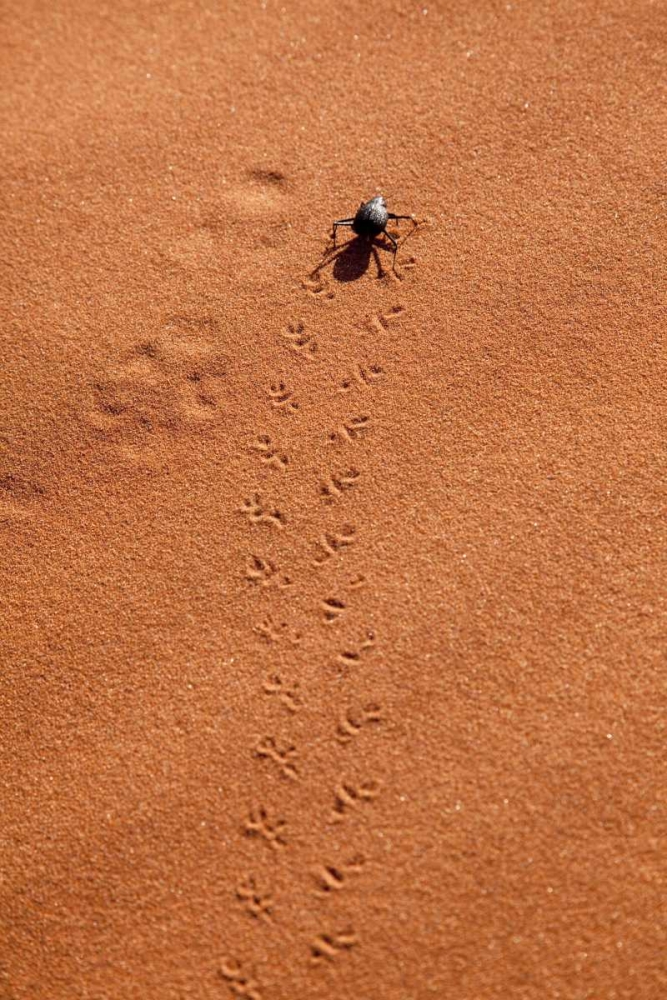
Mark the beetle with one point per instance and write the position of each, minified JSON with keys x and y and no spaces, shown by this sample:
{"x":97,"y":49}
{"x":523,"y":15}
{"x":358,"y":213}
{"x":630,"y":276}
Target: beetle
{"x":371,"y":220}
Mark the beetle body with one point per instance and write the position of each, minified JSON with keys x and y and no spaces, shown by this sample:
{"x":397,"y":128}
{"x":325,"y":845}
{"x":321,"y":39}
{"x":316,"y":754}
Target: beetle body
{"x":371,"y":218}
{"x":371,"y":221}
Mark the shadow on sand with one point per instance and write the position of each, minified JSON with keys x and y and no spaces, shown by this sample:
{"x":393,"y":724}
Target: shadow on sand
{"x":352,"y":259}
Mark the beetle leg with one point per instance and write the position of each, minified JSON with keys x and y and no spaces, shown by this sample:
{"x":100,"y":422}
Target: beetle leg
{"x":390,"y":215}
{"x":341,"y":222}
{"x":390,"y":237}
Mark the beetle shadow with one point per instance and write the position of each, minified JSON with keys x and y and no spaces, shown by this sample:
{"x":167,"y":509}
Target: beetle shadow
{"x":354,"y":260}
{"x":351,"y":260}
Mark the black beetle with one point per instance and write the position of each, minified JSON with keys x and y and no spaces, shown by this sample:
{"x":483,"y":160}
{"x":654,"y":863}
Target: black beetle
{"x":371,"y":220}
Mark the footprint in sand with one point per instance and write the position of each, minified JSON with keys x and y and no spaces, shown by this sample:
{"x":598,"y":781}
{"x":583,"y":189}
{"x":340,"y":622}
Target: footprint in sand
{"x":170,"y":384}
{"x":19,"y":498}
{"x":254,"y":210}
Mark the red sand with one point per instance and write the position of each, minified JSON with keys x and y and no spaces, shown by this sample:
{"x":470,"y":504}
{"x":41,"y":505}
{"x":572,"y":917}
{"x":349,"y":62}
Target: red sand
{"x":372,"y":717}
